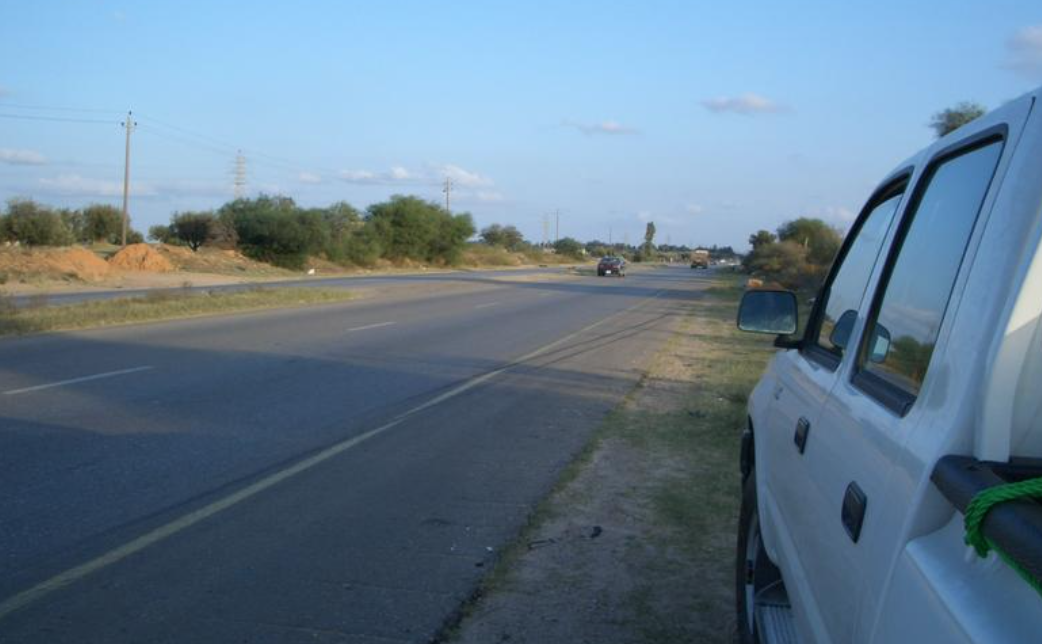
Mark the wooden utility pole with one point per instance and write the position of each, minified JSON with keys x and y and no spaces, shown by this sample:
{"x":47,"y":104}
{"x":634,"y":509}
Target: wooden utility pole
{"x":128,"y":125}
{"x":557,"y":226}
{"x":447,"y":190}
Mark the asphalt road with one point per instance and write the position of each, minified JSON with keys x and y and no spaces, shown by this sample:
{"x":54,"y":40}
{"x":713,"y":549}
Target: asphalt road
{"x":344,"y":473}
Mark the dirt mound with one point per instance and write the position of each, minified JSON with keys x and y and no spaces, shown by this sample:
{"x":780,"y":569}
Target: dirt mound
{"x":140,"y":257}
{"x":216,"y":260}
{"x":30,"y":264}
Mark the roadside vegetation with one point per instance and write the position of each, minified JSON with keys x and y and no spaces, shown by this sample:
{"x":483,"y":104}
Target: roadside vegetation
{"x":638,"y":538}
{"x":796,"y":257}
{"x":165,"y":304}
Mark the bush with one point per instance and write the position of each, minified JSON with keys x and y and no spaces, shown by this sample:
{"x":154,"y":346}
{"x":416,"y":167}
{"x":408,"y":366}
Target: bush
{"x":193,"y":229}
{"x":410,"y":228}
{"x":272,"y":229}
{"x":162,"y":234}
{"x":569,"y":247}
{"x":34,"y":225}
{"x":101,"y":223}
{"x":507,"y":237}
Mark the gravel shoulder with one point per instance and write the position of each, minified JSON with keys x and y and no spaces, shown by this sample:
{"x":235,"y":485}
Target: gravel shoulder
{"x":637,"y":542}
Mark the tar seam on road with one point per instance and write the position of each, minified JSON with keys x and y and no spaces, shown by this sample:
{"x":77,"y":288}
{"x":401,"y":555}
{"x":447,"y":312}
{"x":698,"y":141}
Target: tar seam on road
{"x":72,"y":575}
{"x":485,"y":306}
{"x":71,"y":381}
{"x":370,"y":326}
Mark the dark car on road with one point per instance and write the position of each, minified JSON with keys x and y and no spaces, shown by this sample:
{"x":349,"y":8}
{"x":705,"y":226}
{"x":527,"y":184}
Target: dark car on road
{"x":611,"y":266}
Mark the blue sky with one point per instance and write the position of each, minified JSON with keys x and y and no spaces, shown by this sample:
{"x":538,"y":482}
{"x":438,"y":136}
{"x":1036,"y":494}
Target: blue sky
{"x":710,"y":119}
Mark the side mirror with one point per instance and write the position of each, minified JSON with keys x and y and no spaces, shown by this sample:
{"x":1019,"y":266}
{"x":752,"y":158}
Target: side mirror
{"x":763,"y":311}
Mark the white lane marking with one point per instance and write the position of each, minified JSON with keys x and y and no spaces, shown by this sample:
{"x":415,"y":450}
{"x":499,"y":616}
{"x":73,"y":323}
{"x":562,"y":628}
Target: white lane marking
{"x":72,"y":575}
{"x":487,"y":304}
{"x":370,"y":326}
{"x":72,"y":381}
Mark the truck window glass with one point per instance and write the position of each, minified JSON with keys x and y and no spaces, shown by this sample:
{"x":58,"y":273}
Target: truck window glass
{"x":848,"y":286}
{"x":903,"y":334}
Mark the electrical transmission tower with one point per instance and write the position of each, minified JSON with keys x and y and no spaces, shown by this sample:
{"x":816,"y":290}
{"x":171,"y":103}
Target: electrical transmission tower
{"x":239,"y":178}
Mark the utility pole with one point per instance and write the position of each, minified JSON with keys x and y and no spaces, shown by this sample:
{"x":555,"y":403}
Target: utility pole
{"x":546,"y":230}
{"x":129,"y":126}
{"x":239,"y":180}
{"x":609,"y":237}
{"x":557,"y":225}
{"x":447,"y":190}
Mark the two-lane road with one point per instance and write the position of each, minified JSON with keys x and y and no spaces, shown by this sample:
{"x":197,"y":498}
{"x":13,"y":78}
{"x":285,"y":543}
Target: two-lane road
{"x":338,"y":473}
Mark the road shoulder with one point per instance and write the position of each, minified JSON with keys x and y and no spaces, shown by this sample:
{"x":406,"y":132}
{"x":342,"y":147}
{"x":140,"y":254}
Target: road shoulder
{"x":636,"y":543}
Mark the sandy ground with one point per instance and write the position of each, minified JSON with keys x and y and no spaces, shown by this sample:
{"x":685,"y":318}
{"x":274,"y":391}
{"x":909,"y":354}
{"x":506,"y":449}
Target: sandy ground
{"x":599,"y":564}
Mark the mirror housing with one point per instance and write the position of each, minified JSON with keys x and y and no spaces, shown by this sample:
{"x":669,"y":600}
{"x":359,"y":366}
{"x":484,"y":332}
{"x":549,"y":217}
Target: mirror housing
{"x":768,"y":311}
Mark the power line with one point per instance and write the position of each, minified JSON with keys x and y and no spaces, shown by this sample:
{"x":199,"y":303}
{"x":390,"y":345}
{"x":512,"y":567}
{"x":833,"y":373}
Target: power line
{"x":63,"y":119}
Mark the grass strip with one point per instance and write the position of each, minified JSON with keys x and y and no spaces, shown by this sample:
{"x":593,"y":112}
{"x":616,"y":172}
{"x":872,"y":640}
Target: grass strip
{"x":167,"y":304}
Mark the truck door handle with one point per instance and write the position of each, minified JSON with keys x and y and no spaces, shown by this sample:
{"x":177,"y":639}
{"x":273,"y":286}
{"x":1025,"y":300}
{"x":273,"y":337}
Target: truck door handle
{"x":802,"y":430}
{"x":853,"y":512}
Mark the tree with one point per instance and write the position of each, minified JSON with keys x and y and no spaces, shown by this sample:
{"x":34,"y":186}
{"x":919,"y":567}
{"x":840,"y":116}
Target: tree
{"x":273,"y":229}
{"x":411,"y":228}
{"x":649,"y":239}
{"x":192,"y":228}
{"x":508,"y":237}
{"x":162,"y":234}
{"x":821,"y":240}
{"x":34,"y":225}
{"x":953,"y":118}
{"x":102,"y":223}
{"x":762,"y":238}
{"x":568,"y":247}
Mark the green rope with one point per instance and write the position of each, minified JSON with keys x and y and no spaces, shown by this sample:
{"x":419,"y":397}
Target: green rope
{"x":978,"y":509}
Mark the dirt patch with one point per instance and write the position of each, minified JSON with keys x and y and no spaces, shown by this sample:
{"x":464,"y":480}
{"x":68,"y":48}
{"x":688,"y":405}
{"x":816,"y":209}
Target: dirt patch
{"x":218,"y":261}
{"x":140,"y":257}
{"x":57,"y":264}
{"x":637,"y":544}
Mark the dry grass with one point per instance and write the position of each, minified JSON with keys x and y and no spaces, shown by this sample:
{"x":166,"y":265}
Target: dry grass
{"x":167,"y":304}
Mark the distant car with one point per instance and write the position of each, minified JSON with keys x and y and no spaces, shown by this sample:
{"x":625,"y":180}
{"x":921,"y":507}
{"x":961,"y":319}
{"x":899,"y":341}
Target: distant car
{"x":700,"y":259}
{"x":611,"y":266}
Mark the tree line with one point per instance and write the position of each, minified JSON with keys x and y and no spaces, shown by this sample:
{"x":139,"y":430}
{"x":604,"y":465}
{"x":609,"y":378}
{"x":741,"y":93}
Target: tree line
{"x":34,"y":224}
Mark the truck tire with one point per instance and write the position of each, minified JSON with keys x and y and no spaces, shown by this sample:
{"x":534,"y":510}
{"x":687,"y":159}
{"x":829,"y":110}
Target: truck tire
{"x":754,"y":571}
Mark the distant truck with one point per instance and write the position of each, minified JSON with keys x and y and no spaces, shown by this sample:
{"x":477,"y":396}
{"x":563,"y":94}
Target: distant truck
{"x":700,"y":259}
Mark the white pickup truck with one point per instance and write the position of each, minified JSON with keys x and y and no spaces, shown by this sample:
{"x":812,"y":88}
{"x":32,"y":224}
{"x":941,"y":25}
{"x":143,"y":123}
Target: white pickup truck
{"x":910,"y":399}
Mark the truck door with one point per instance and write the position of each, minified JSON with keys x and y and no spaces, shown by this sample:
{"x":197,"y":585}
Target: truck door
{"x":796,"y":439}
{"x":851,"y":522}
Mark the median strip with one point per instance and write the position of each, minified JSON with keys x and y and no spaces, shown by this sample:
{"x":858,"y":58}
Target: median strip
{"x":159,"y":305}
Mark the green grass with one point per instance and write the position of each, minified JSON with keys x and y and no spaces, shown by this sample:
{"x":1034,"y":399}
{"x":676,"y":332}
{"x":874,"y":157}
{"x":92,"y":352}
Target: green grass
{"x":169,"y":304}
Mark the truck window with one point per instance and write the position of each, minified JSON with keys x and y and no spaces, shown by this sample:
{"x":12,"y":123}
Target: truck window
{"x":844,"y":294}
{"x":902,"y":332}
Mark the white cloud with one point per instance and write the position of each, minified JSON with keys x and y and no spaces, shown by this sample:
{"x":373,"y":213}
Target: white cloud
{"x":462,"y":177}
{"x":489,"y":196}
{"x":644,"y":215}
{"x":78,"y":186}
{"x":604,"y":127}
{"x":309,"y":177}
{"x":21,"y":157}
{"x":1024,"y":51}
{"x":429,"y":175}
{"x":75,"y":185}
{"x":396,"y":175}
{"x":694,"y":209}
{"x":748,"y":104}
